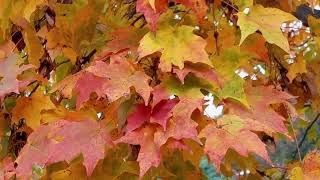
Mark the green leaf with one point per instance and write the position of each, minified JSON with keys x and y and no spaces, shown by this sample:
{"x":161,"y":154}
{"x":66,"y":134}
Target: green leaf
{"x":30,"y":7}
{"x":226,"y":64}
{"x":63,"y":69}
{"x":234,"y":89}
{"x":191,"y":87}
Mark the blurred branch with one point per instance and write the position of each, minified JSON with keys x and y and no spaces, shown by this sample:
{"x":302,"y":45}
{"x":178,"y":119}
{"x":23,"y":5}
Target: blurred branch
{"x":295,"y":140}
{"x":306,"y":133}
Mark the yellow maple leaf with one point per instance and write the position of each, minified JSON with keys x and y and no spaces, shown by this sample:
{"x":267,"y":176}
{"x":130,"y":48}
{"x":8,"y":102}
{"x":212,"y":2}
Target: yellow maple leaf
{"x":267,"y":21}
{"x":298,"y":67}
{"x":177,"y":45}
{"x":30,"y":109}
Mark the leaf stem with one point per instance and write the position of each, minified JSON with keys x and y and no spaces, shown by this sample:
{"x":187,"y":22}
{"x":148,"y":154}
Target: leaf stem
{"x":216,"y":34}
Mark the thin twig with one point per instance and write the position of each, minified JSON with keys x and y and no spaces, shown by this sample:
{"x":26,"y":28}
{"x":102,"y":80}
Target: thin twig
{"x":216,"y":34}
{"x":294,"y":134}
{"x":34,"y":89}
{"x":183,"y":16}
{"x":306,"y":132}
{"x":16,"y":45}
{"x":295,"y":140}
{"x":230,"y":5}
{"x":137,"y":19}
{"x":32,"y":82}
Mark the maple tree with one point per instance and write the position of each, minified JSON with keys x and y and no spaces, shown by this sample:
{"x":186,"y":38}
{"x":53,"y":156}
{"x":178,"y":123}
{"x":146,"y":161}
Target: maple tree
{"x":159,"y":89}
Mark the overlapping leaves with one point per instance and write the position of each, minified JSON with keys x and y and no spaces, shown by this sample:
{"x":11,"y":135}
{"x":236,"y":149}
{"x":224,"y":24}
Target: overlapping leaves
{"x":85,"y":80}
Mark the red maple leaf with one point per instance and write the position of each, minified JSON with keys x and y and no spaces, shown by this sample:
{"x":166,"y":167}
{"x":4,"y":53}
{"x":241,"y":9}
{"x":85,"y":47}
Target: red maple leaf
{"x":63,"y":141}
{"x":260,"y":98}
{"x":149,"y":154}
{"x":139,"y":115}
{"x":111,"y":80}
{"x":152,"y":15}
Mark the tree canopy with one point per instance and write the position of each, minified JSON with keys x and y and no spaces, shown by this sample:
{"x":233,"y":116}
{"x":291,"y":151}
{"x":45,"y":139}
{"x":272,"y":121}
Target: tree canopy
{"x":159,"y":89}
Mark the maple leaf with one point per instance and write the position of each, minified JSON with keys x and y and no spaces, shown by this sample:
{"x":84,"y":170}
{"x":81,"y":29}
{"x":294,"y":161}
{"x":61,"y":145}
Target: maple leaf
{"x":255,"y":43}
{"x":313,"y":80}
{"x":30,"y":109}
{"x":7,"y":168}
{"x":139,"y":115}
{"x":233,"y":130}
{"x":63,"y":141}
{"x":234,"y":89}
{"x":30,"y":7}
{"x":162,"y":111}
{"x":121,"y":76}
{"x":85,"y":85}
{"x":152,"y":4}
{"x":6,"y":48}
{"x":149,"y":154}
{"x":199,"y":70}
{"x":314,"y":25}
{"x":152,"y":9}
{"x":182,"y":168}
{"x":63,"y":113}
{"x":34,"y":46}
{"x":233,"y":85}
{"x":66,"y":85}
{"x":198,"y":6}
{"x":268,"y":22}
{"x":309,"y":169}
{"x":242,"y":4}
{"x":160,"y":93}
{"x":260,"y":98}
{"x":299,"y":67}
{"x":113,"y":80}
{"x":114,"y":158}
{"x":126,"y":38}
{"x":82,"y":25}
{"x":57,"y":43}
{"x":81,"y":84}
{"x":159,"y":114}
{"x":178,"y":144}
{"x":190,"y":99}
{"x":172,"y":86}
{"x":177,"y":45}
{"x":74,"y":32}
{"x":9,"y":69}
{"x":105,"y":58}
{"x":156,"y":137}
{"x":180,"y":125}
{"x":226,"y":32}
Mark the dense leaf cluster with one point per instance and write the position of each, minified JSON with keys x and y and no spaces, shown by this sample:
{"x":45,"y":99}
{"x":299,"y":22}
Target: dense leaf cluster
{"x":169,"y":89}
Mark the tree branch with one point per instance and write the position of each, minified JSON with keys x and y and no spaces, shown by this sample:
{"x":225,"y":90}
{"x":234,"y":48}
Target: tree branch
{"x":306,"y":133}
{"x":230,"y":5}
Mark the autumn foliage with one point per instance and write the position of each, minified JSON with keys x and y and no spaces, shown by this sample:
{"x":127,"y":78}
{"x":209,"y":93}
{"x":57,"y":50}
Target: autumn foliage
{"x":149,"y":89}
